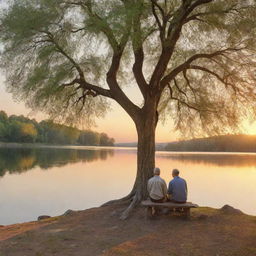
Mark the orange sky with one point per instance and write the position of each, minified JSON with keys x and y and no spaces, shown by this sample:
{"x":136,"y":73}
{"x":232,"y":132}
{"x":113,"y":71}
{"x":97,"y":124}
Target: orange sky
{"x":116,"y":124}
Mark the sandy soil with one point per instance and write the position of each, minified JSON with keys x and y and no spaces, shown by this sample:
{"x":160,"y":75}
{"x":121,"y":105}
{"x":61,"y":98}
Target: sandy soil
{"x":98,"y":231}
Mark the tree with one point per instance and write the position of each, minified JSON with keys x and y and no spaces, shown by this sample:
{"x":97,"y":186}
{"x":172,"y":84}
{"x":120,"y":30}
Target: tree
{"x":193,"y":60}
{"x":3,"y":117}
{"x":21,"y":132}
{"x":105,"y":140}
{"x":89,"y":138}
{"x":3,"y":125}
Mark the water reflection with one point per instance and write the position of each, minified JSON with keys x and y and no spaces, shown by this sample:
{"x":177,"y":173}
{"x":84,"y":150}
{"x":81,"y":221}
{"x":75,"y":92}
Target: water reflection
{"x":81,"y":178}
{"x":18,"y":160}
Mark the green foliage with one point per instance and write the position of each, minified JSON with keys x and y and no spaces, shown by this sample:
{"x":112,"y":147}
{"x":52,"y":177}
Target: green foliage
{"x":89,"y":138}
{"x":54,"y":51}
{"x":105,"y":140}
{"x":22,"y":129}
{"x":40,"y":68}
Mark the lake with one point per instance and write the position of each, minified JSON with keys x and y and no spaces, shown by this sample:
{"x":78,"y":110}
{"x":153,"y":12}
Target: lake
{"x":39,"y":181}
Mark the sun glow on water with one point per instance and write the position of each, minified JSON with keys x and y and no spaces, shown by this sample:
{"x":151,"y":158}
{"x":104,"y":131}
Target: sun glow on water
{"x":249,"y":127}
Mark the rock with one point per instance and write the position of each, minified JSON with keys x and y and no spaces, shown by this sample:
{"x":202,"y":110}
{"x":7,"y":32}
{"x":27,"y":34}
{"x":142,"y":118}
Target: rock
{"x":43,"y":217}
{"x":230,"y":210}
{"x":68,"y":212}
{"x":1,"y":226}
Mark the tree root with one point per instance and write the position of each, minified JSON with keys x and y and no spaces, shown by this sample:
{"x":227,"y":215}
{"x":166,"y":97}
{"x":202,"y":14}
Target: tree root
{"x":133,"y":199}
{"x":135,"y":202}
{"x":123,"y":200}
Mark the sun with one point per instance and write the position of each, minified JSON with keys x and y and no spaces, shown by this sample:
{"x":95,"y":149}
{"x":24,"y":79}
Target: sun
{"x":249,"y":127}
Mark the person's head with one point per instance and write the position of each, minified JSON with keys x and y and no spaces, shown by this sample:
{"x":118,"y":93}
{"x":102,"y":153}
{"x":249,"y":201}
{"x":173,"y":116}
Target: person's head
{"x":157,"y":171}
{"x":175,"y":172}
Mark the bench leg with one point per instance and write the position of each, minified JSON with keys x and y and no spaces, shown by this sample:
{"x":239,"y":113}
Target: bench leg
{"x":187,"y":213}
{"x":149,"y":212}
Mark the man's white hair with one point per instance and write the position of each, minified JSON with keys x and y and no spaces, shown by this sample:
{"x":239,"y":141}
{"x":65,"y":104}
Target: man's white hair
{"x":157,"y":171}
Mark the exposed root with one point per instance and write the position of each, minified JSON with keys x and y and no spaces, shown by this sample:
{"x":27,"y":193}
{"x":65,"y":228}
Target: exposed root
{"x":123,"y":200}
{"x":135,"y":202}
{"x":132,"y":200}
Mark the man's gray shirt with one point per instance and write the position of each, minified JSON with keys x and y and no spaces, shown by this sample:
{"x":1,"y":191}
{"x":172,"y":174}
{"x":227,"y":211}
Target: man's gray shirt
{"x":157,"y":188}
{"x":178,"y":189}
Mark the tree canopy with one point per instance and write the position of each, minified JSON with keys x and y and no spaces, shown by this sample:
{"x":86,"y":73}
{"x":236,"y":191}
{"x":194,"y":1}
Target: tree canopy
{"x":68,"y":57}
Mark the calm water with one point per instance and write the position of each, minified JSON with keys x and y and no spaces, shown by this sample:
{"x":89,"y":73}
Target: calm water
{"x":49,"y":181}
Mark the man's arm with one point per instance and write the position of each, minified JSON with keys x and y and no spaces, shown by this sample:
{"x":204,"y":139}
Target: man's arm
{"x":170,"y":188}
{"x":164,"y":187}
{"x":186,"y":188}
{"x":148,"y":186}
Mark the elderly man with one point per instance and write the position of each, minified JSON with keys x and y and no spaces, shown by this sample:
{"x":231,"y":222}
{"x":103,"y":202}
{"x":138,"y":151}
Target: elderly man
{"x":177,"y":189}
{"x":157,"y":188}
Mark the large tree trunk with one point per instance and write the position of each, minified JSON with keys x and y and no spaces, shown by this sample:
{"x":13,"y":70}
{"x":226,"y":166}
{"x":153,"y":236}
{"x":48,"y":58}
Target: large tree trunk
{"x":146,"y":122}
{"x":145,"y":155}
{"x":146,"y":126}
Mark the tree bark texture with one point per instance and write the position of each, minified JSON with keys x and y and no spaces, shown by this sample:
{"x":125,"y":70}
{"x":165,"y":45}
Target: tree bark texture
{"x":146,"y":126}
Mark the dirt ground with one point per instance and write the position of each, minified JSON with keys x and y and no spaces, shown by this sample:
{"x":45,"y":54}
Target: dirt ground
{"x":98,"y":231}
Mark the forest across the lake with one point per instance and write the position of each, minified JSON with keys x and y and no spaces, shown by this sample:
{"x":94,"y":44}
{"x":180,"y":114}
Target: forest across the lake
{"x":21,"y":129}
{"x":223,"y":143}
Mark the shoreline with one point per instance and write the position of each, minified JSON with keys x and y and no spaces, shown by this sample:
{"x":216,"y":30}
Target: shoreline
{"x":45,"y":218}
{"x":81,"y":147}
{"x":99,"y":231}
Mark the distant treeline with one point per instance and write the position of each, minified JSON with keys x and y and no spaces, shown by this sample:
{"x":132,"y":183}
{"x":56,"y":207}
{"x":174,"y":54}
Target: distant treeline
{"x":21,"y":129}
{"x":223,"y":143}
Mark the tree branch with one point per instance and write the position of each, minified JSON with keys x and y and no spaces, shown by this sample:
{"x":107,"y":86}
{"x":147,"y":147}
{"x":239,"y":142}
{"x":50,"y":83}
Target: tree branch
{"x":200,"y":14}
{"x":155,"y":14}
{"x":178,"y":88}
{"x":137,"y":44}
{"x":115,"y":89}
{"x":168,"y":45}
{"x":198,"y":3}
{"x":188,"y":83}
{"x":62,"y":51}
{"x":81,"y":80}
{"x":221,"y":79}
{"x":187,"y":63}
{"x":98,"y":90}
{"x":173,"y":33}
{"x":210,"y":72}
{"x":75,"y":81}
{"x":183,"y":102}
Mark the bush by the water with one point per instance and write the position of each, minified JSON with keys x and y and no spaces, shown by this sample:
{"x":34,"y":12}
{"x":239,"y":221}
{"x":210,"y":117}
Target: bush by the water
{"x":21,"y":129}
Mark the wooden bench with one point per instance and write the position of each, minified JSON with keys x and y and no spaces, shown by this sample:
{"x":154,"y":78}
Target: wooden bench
{"x":183,"y":209}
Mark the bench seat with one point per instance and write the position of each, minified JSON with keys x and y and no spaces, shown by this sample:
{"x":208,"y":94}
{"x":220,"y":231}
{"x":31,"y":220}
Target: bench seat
{"x":171,"y":205}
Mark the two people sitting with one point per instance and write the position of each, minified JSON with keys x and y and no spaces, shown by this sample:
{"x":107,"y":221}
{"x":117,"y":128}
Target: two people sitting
{"x":158,"y":192}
